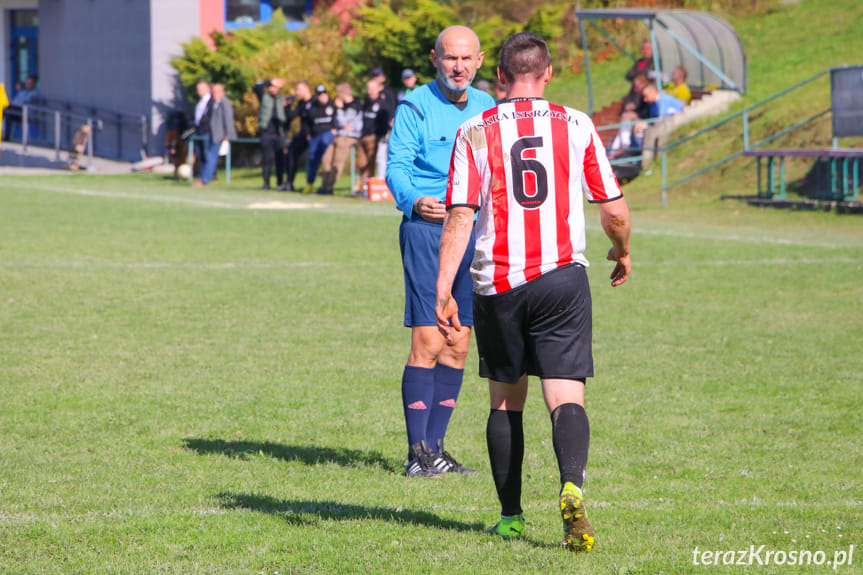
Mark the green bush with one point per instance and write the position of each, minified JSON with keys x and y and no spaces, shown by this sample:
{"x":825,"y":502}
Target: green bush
{"x":394,"y":40}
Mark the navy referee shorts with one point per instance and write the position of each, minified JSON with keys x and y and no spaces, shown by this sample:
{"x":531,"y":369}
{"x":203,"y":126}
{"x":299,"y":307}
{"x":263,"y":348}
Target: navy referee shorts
{"x":420,"y":244}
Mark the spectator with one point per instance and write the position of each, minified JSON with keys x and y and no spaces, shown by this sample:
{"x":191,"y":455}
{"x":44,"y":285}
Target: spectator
{"x":628,"y":138}
{"x":634,"y":100}
{"x":321,"y":124}
{"x":203,"y":110}
{"x":27,"y":93}
{"x":643,"y":65}
{"x":78,"y":147}
{"x":661,"y":104}
{"x":222,"y":130}
{"x":23,"y":97}
{"x":499,"y":91}
{"x":349,"y":126}
{"x":485,"y":86}
{"x":627,"y":144}
{"x":271,"y":126}
{"x":296,"y":109}
{"x":374,"y":125}
{"x":409,"y":81}
{"x":388,"y":105}
{"x":679,"y":89}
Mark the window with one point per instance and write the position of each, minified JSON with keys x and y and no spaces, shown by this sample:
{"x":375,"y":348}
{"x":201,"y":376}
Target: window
{"x":25,"y":19}
{"x":242,"y":11}
{"x":293,"y":9}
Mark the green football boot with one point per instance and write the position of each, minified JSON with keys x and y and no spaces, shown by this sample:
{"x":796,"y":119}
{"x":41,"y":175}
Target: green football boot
{"x":508,"y":527}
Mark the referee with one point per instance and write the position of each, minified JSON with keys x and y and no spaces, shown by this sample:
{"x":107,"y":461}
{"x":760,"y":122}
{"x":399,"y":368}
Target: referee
{"x":521,"y":167}
{"x":420,"y":147}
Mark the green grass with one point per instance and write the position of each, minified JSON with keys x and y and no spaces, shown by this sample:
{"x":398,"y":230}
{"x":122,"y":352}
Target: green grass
{"x":190,"y":386}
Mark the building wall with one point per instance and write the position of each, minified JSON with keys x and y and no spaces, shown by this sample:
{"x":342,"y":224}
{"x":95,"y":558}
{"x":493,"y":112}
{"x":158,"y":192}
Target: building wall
{"x":172,"y":22}
{"x":212,"y":18}
{"x":5,"y":7}
{"x":116,"y":55}
{"x":96,"y":52}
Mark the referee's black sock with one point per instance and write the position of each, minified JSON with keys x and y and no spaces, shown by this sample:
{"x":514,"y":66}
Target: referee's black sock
{"x":505,"y":437}
{"x":570,"y":433}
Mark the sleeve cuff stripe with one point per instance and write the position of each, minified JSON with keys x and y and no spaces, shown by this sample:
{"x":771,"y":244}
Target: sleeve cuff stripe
{"x":605,"y":201}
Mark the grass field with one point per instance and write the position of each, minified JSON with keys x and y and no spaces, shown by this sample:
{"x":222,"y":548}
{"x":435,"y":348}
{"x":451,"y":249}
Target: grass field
{"x":192,"y":386}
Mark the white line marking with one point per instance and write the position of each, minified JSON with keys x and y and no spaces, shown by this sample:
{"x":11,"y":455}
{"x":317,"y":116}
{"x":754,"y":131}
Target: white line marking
{"x":770,"y":262}
{"x":178,"y":265}
{"x":733,"y":237}
{"x":128,"y":196}
{"x":277,"y":205}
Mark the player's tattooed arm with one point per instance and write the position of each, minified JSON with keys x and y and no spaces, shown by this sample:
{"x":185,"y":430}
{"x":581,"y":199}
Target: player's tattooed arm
{"x":455,"y":236}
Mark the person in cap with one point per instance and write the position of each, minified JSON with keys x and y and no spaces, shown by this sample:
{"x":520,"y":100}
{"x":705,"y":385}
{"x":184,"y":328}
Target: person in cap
{"x":271,"y":129}
{"x":409,"y":81}
{"x":321,"y":125}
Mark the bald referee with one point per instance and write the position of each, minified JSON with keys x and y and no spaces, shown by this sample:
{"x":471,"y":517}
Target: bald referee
{"x":420,"y":147}
{"x":522,"y":167}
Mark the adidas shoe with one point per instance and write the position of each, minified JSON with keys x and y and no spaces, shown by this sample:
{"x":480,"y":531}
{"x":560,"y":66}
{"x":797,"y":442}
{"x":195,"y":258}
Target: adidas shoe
{"x":508,"y":527}
{"x":421,"y":462}
{"x":577,"y":532}
{"x":446,"y":463}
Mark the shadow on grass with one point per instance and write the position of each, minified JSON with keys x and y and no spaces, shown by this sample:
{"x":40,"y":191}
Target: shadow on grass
{"x":308,"y":454}
{"x":296,"y":512}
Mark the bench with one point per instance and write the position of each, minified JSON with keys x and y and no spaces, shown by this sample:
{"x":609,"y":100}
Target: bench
{"x":844,"y":166}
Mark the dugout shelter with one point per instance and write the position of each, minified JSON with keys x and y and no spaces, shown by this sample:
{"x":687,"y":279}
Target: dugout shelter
{"x":707,"y":46}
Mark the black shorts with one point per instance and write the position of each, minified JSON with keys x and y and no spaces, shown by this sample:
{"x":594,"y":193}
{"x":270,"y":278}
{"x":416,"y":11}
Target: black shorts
{"x":542,"y":328}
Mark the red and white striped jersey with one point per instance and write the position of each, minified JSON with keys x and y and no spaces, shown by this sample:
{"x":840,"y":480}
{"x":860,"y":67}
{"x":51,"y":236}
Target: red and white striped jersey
{"x":523,"y":165}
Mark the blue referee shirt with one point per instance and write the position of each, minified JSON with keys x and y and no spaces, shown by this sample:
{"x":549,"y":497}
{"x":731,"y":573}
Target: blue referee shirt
{"x":422,"y":140}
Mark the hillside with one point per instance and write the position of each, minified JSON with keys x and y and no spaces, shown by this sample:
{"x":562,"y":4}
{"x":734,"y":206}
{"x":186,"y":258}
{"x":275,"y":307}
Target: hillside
{"x":789,"y":44}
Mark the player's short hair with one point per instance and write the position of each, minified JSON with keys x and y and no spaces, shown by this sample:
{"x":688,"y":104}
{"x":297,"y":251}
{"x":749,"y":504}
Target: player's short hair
{"x":524,"y":54}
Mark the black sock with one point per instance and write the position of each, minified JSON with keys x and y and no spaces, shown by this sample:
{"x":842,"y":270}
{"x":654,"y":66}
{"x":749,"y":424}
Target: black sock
{"x":570,"y":433}
{"x":505,"y":437}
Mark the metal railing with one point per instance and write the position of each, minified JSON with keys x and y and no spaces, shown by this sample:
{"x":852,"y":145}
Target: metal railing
{"x":35,"y":125}
{"x":52,"y":123}
{"x":744,"y":116}
{"x":191,"y":157}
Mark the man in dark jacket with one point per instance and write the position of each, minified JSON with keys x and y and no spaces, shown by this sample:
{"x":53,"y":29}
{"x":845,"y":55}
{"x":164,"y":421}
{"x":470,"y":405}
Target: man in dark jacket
{"x":296,"y":109}
{"x":222,"y":130}
{"x":321,"y":123}
{"x":203,"y":109}
{"x":271,"y":129}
